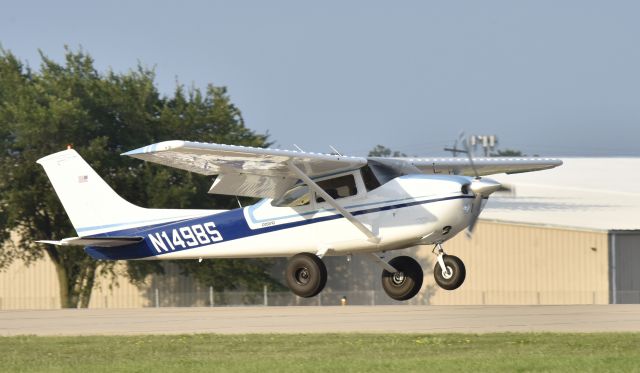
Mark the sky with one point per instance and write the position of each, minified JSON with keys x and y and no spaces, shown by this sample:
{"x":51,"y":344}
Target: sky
{"x":546,"y":77}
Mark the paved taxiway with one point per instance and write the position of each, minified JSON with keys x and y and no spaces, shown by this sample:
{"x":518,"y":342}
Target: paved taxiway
{"x":383,"y":319}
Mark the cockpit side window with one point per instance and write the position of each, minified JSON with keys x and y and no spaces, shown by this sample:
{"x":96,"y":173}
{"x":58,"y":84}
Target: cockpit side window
{"x":339,"y":187}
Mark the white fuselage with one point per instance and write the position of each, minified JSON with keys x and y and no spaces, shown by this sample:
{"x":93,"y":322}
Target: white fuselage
{"x":408,"y":210}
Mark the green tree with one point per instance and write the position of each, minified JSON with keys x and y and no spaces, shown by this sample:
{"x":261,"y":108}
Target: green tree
{"x":383,"y":151}
{"x":102,"y":115}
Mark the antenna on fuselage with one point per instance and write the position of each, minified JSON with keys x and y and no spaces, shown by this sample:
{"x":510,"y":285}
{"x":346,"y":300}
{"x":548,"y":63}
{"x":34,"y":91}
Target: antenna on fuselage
{"x":335,"y":150}
{"x":238,"y":199}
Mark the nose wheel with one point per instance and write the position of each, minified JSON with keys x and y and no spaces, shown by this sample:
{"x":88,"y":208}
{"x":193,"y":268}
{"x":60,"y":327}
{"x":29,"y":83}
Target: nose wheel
{"x":449,"y":271}
{"x":406,"y":281}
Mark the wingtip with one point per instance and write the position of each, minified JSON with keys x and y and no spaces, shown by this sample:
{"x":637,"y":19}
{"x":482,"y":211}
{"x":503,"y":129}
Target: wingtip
{"x":131,"y":152}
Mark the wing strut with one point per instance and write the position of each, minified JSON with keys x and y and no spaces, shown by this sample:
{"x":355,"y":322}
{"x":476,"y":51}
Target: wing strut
{"x":347,"y":215}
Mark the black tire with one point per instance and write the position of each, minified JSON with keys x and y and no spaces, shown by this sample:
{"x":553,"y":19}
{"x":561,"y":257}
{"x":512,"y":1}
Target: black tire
{"x":456,"y":279}
{"x":405,"y":283}
{"x":306,"y":275}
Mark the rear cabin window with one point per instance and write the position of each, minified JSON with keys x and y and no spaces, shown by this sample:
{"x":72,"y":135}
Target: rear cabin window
{"x":299,"y":195}
{"x":339,"y":187}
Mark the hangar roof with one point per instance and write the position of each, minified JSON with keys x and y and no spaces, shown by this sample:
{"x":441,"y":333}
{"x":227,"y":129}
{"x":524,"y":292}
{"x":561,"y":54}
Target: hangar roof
{"x":583,"y":193}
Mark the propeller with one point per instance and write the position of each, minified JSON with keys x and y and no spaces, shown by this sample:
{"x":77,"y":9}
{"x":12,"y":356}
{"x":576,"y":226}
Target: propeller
{"x":480,"y":188}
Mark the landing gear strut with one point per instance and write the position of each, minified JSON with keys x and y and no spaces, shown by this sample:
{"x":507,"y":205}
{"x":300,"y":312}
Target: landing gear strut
{"x":449,"y":271}
{"x":406,"y":281}
{"x":306,"y":275}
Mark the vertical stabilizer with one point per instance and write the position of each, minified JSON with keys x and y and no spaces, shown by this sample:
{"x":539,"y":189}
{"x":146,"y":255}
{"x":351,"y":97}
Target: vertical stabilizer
{"x":87,"y":198}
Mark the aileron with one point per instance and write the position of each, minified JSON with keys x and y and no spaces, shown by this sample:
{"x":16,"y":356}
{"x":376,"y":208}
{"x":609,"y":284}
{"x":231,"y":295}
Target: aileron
{"x":484,"y":166}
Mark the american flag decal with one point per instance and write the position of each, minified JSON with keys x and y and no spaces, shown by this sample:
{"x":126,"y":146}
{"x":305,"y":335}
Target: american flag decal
{"x":83,"y":179}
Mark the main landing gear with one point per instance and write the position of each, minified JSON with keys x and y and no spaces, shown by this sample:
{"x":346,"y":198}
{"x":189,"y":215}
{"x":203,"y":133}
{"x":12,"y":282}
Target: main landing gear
{"x":306,"y":275}
{"x":406,"y":281}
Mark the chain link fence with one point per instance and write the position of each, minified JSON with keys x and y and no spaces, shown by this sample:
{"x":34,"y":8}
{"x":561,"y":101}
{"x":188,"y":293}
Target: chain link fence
{"x":207,"y":297}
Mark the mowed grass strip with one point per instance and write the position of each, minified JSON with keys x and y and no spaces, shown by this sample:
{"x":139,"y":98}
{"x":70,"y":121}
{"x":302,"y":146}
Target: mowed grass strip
{"x":508,"y":352}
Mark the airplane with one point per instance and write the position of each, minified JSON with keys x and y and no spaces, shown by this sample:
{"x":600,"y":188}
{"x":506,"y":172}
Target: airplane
{"x":311,"y":205}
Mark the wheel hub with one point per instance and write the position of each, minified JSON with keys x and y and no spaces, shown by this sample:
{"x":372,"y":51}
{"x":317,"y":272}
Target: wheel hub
{"x":398,"y":278}
{"x":448,"y":273}
{"x":302,"y":276}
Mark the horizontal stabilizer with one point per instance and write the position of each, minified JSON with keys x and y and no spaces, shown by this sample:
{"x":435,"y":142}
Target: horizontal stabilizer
{"x":95,"y":241}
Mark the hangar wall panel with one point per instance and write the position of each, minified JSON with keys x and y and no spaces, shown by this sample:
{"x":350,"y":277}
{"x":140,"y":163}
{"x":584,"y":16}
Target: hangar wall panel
{"x":118,"y":294}
{"x":36,"y":287}
{"x":170,"y":289}
{"x":524,"y":264}
{"x":29,"y":287}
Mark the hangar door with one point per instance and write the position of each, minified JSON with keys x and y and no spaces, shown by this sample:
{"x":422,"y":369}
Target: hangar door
{"x":624,"y":266}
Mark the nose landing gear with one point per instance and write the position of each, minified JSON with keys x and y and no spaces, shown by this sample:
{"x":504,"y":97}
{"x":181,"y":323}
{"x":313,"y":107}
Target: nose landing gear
{"x":449,"y":271}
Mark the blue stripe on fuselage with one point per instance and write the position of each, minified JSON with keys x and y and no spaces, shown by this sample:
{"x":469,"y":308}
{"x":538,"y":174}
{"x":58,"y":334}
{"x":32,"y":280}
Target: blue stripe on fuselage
{"x":231,"y":225}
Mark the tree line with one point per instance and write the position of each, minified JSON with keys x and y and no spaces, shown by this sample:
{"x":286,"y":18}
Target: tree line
{"x":102,"y":114}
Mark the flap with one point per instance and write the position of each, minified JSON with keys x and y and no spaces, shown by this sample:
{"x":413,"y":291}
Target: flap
{"x":249,"y":185}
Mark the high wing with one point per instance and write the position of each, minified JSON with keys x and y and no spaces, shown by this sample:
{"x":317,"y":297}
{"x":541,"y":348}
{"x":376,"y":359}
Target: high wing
{"x":245,"y":171}
{"x":258,"y":172}
{"x":461,"y":166}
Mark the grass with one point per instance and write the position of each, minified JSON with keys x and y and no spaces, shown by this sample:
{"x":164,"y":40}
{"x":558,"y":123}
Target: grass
{"x":509,"y":352}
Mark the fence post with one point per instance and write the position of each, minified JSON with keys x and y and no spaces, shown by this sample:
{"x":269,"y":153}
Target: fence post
{"x":211,"y":304}
{"x":264,"y":294}
{"x":373,"y":297}
{"x":157,"y":298}
{"x":538,"y":296}
{"x":106,"y":305}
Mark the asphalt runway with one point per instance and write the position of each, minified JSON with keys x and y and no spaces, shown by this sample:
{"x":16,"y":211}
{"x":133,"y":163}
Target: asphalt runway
{"x":361,"y":319}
